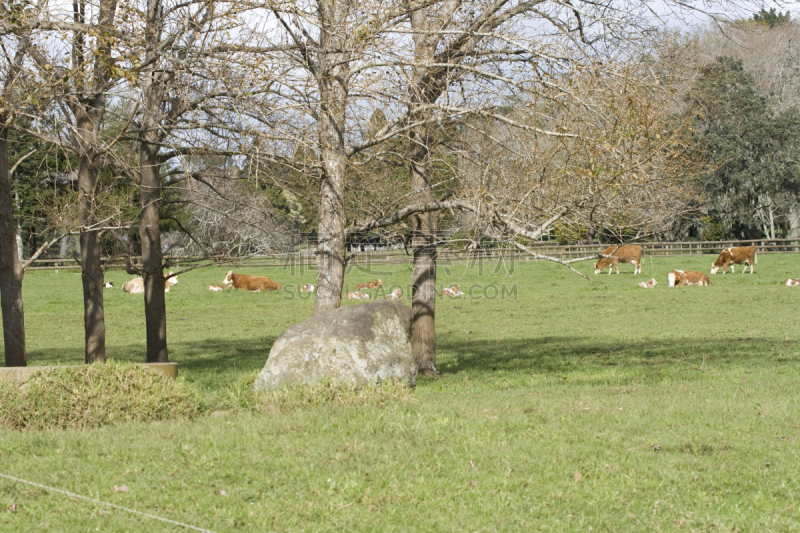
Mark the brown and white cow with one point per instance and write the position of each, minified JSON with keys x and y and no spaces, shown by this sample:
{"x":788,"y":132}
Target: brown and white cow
{"x":216,"y":287}
{"x":136,"y":286}
{"x":648,"y":284}
{"x":627,"y":253}
{"x":370,"y":285}
{"x":308,"y":288}
{"x":173,"y":280}
{"x":396,"y":294}
{"x":792,"y":282}
{"x":738,"y":255}
{"x":250,"y":283}
{"x":681,"y":278}
{"x":356,"y":296}
{"x":452,"y":290}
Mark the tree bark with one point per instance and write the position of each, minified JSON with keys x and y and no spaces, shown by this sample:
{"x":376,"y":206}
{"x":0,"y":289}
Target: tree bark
{"x":88,"y":104}
{"x":423,"y":299}
{"x":155,"y":310}
{"x":794,"y":224}
{"x":63,"y":247}
{"x":11,"y":272}
{"x":332,"y":76}
{"x":10,"y":269}
{"x":91,"y":266}
{"x":94,"y":325}
{"x":150,"y":136}
{"x":430,"y":80}
{"x":331,"y":247}
{"x":20,"y":247}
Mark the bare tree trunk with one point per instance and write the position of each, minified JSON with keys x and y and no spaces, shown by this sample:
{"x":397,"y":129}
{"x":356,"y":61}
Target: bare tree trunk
{"x":423,"y":301}
{"x":88,"y":105}
{"x":331,"y":247}
{"x":155,"y":310}
{"x":430,"y":79}
{"x":332,"y":77}
{"x":63,"y":247}
{"x":794,"y":223}
{"x":153,"y":89}
{"x":423,"y":304}
{"x":10,"y":239}
{"x":20,"y":247}
{"x":91,"y":267}
{"x":10,"y":270}
{"x":94,"y":325}
{"x":771,"y":223}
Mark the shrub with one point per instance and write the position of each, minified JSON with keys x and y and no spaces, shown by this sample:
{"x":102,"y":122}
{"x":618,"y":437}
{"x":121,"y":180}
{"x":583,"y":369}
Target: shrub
{"x":714,"y":229}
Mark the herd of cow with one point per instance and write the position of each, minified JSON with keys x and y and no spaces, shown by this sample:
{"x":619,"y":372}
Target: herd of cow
{"x":742,"y":255}
{"x":610,"y":259}
{"x":262,"y":283}
{"x":238,"y":281}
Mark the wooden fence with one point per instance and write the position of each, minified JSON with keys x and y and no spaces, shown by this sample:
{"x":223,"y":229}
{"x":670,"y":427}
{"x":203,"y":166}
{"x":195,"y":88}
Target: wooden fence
{"x":305,"y":258}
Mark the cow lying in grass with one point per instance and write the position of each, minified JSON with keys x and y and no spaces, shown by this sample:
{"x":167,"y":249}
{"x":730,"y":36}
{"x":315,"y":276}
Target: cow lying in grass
{"x":396,"y":294}
{"x":250,"y":283}
{"x":136,"y":286}
{"x":731,"y":256}
{"x":792,"y":282}
{"x":308,"y":288}
{"x":680,"y":278}
{"x":620,"y":254}
{"x":648,"y":284}
{"x":452,"y":290}
{"x":356,"y":296}
{"x":216,"y":288}
{"x":370,"y":285}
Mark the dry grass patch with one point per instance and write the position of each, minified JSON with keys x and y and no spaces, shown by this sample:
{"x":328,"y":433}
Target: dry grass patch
{"x":94,"y":396}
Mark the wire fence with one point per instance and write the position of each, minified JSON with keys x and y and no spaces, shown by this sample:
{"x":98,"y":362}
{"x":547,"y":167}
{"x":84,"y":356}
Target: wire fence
{"x":304,"y":257}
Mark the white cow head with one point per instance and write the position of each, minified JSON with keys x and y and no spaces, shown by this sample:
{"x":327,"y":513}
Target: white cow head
{"x":672,"y":278}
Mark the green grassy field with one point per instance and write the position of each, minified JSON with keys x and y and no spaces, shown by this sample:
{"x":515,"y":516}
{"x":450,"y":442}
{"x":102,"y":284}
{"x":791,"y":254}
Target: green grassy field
{"x":564,"y":406}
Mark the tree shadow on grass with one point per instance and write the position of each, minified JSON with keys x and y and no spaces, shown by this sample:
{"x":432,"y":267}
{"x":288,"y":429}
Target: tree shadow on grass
{"x":215,"y":363}
{"x":210,"y":360}
{"x":565,"y":354}
{"x":223,"y":355}
{"x":203,"y":360}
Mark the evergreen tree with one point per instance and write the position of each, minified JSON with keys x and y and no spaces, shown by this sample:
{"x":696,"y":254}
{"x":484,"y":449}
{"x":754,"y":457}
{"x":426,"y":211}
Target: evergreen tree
{"x":753,"y":179}
{"x":771,"y":17}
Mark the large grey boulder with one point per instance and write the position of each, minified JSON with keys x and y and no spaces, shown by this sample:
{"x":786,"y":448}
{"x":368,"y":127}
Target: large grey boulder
{"x":358,"y":344}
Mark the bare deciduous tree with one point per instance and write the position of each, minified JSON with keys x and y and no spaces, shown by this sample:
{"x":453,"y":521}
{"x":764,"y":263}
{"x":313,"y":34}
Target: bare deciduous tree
{"x":168,"y":48}
{"x":10,"y":268}
{"x":428,"y":67}
{"x":88,"y":36}
{"x":622,"y":167}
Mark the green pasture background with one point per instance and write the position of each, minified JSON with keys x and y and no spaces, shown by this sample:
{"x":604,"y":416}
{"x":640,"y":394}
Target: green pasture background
{"x":563,"y":405}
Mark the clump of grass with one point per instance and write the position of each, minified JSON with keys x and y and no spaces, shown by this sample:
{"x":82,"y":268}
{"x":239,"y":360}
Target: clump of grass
{"x":93,"y":396}
{"x":331,"y":392}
